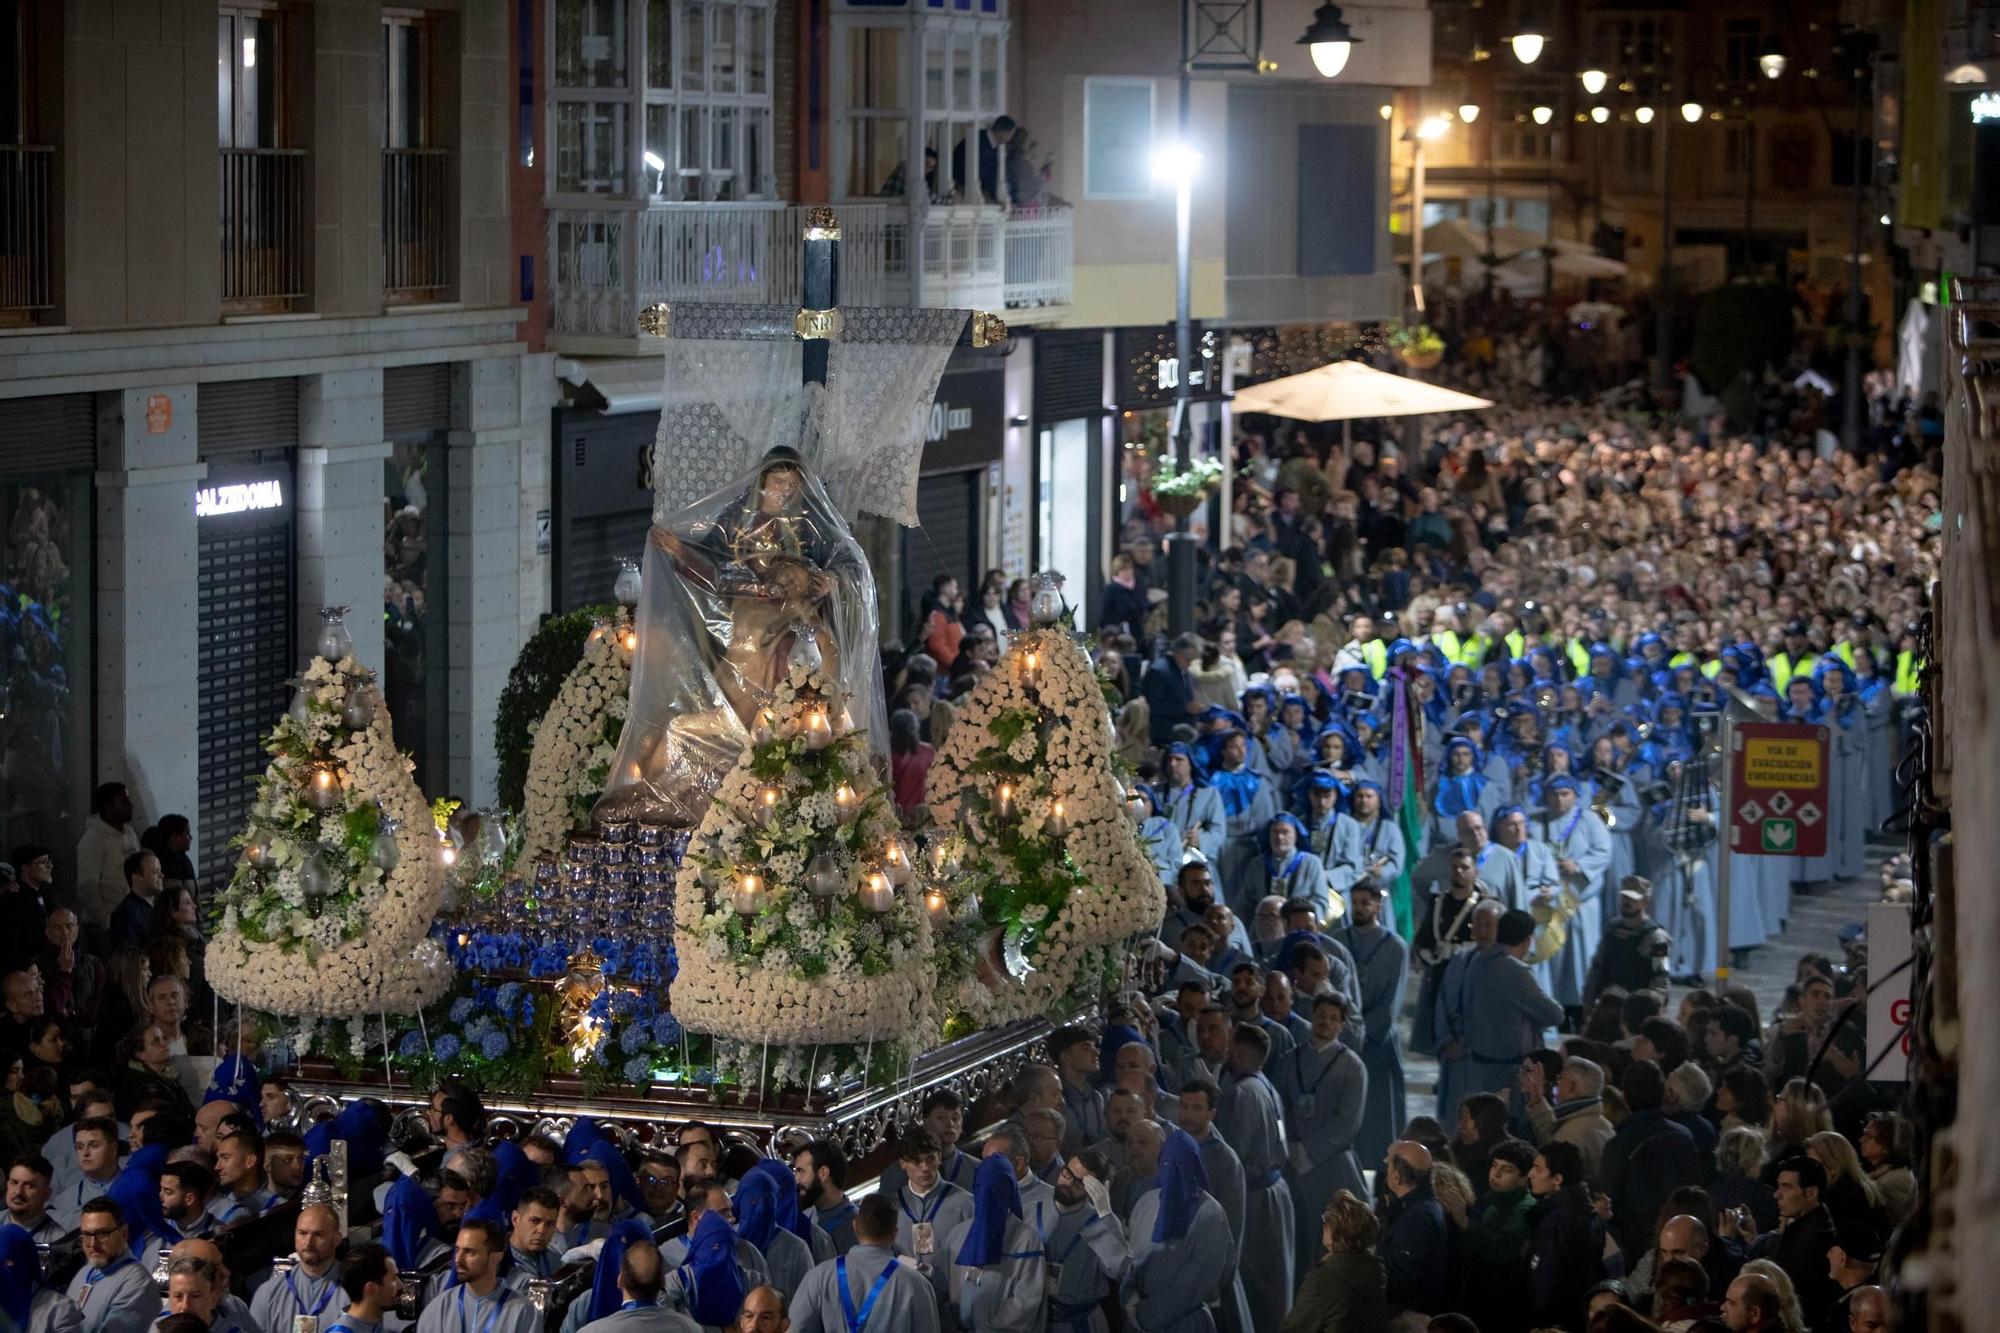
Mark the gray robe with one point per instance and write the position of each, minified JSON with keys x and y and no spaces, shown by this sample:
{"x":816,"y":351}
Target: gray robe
{"x":1578,"y":836}
{"x":1200,"y":809}
{"x":1252,"y":1118}
{"x":523,"y":1268}
{"x":1383,"y":960}
{"x":123,"y":1300}
{"x":1337,"y":843}
{"x":647,"y":1319}
{"x":1225,"y":1185}
{"x":1506,"y":1015}
{"x":1010,"y":1298}
{"x":1382,"y":840}
{"x":446,"y":1313}
{"x":53,"y":1312}
{"x":788,"y":1259}
{"x":906,"y":1305}
{"x":1086,"y":1257}
{"x":1172,"y":1283}
{"x":1325,"y":1095}
{"x":276,"y":1303}
{"x":944,"y":1208}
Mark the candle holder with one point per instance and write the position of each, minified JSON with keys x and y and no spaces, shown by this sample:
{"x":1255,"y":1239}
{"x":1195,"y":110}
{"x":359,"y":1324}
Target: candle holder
{"x":805,"y":654}
{"x":896,"y":862}
{"x":357,"y":710}
{"x":1045,"y":603}
{"x":1057,"y":823}
{"x":846,"y":803}
{"x":300,"y":710}
{"x":763,"y":807}
{"x":825,"y":877}
{"x":878,"y":895}
{"x":323,"y":787}
{"x":334,"y":642}
{"x":818,"y":730}
{"x":746,"y":893}
{"x":938,"y":907}
{"x":1003,"y":801}
{"x":627,"y":586}
{"x":385,"y":851}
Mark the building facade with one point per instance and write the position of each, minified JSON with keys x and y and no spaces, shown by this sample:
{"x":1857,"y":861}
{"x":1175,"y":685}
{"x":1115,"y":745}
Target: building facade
{"x":260,"y":353}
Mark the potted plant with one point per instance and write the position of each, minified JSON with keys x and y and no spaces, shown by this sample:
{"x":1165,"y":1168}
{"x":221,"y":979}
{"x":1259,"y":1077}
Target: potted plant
{"x":1181,"y":493}
{"x":1417,"y":345}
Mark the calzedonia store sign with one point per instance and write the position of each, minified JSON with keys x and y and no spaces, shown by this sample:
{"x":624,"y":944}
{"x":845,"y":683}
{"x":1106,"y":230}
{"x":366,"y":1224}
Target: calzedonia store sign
{"x":239,"y":498}
{"x":965,"y":425}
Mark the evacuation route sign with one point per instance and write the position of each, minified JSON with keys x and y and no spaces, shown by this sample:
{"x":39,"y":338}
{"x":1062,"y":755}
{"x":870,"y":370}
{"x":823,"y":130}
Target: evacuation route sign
{"x":1778,"y":785}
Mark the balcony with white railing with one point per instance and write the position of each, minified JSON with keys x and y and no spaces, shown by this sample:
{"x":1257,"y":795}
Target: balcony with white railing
{"x":612,"y":260}
{"x":1038,"y":274}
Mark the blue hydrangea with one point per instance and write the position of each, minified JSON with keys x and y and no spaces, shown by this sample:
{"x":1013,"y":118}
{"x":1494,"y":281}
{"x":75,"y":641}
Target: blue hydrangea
{"x":412,"y":1045}
{"x":477,"y":1029}
{"x":639,"y":1069}
{"x":666,"y":1029}
{"x":493,"y":1045}
{"x":445,"y":1048}
{"x":509,"y":997}
{"x":462,"y":1008}
{"x":632,"y":1039}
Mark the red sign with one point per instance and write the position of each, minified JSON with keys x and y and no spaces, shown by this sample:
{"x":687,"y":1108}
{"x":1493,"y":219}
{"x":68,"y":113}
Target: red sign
{"x":1778,"y":779}
{"x":159,"y":414}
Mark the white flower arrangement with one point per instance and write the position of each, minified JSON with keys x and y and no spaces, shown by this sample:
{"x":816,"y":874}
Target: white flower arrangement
{"x":1039,"y":725}
{"x":359,"y":948}
{"x":762,"y":958}
{"x":576,"y":740}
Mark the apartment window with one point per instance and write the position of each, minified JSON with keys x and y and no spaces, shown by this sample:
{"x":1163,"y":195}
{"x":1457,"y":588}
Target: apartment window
{"x":13,"y":73}
{"x":877,"y":114}
{"x":961,"y":81}
{"x":406,"y":75}
{"x":697,"y":98}
{"x":417,"y":221}
{"x":246,"y":73}
{"x":1738,"y":150}
{"x":1741,"y":40}
{"x":1637,"y":44}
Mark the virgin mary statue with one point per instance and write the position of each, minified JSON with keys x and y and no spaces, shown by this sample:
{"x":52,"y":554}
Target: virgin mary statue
{"x":739,"y":587}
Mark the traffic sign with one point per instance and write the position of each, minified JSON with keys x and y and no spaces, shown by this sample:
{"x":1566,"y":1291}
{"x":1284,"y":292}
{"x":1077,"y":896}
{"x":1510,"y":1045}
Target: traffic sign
{"x":1779,"y":776}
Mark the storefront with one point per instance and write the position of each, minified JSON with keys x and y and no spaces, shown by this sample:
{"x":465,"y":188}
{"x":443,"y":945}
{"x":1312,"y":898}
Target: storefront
{"x":246,"y":567}
{"x":1069,"y":462}
{"x":47,"y":760}
{"x":416,"y":421}
{"x":959,"y":481}
{"x":602,"y":504}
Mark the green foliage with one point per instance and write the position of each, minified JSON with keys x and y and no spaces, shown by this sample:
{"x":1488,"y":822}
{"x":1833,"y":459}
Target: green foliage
{"x":1744,"y":326}
{"x":546,"y":659}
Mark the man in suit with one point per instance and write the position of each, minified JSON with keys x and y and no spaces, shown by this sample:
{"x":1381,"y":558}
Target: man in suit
{"x":992,"y":146}
{"x":1169,"y":688}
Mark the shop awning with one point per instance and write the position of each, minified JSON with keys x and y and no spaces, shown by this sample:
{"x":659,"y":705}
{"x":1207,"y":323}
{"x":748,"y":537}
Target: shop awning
{"x":615,"y":386}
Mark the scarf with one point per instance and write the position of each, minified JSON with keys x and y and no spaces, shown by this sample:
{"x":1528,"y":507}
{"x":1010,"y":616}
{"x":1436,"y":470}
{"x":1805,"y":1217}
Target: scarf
{"x":995,"y":1198}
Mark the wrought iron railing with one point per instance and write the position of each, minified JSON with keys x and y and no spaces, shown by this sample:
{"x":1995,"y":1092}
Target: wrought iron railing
{"x":27,"y":277}
{"x":263,"y":224}
{"x":416,"y":222}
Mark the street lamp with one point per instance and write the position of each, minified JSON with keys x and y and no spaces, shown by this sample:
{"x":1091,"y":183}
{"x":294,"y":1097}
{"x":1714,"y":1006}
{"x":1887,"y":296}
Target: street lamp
{"x":1644,"y":115}
{"x":1593,"y":81}
{"x":1176,"y":163}
{"x":1543,"y":114}
{"x":1771,"y":59}
{"x":1527,"y":44}
{"x":1468,"y":111}
{"x":1690,"y":111}
{"x":1330,"y":40}
{"x":1600,"y":114}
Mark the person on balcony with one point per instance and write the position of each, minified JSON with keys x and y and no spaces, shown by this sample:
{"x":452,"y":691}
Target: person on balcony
{"x":992,"y":144}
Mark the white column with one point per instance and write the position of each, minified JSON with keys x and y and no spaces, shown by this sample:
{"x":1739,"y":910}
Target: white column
{"x":148,"y":597}
{"x":339,"y":506}
{"x":483,"y":525}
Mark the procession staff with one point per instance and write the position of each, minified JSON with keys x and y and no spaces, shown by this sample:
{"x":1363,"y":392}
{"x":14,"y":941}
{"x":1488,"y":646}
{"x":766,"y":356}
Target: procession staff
{"x":869,"y":1289}
{"x":1382,"y":964}
{"x":1325,"y":1089}
{"x":480,"y":1303}
{"x":1181,"y":1247}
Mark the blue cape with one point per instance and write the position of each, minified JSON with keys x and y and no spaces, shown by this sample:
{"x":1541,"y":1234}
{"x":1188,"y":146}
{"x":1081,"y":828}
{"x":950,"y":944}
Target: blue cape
{"x":605,"y":1298}
{"x":515,"y":1175}
{"x":409,"y":1222}
{"x":235,"y":1080}
{"x":1116,"y":1037}
{"x":576,"y":1144}
{"x":138,"y":1198}
{"x":1183,"y":1179}
{"x":20,"y":1274}
{"x":711,"y":1277}
{"x":757,"y":1210}
{"x":995,"y":1197}
{"x":623,"y":1183}
{"x":786,"y":1197}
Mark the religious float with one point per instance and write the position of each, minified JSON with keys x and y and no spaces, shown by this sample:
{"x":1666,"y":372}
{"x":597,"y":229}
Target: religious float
{"x":705,"y":905}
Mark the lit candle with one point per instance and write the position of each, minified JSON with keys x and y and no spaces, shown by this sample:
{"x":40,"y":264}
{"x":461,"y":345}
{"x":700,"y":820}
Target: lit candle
{"x":1031,"y":663}
{"x":630,"y":640}
{"x":877,"y":894}
{"x":747,"y":895}
{"x":938,"y":906}
{"x":1058,"y":821}
{"x":846,"y":803}
{"x":324,"y":789}
{"x":767,"y":722}
{"x":447,"y":853}
{"x":819,"y":732}
{"x":898,"y":864}
{"x":765,"y":804}
{"x":943,"y":861}
{"x":1003,"y":801}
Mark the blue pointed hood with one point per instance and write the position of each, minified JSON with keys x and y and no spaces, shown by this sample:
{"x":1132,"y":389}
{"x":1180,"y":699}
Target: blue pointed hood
{"x":605,"y":1298}
{"x":1183,"y":1180}
{"x":785,"y":1200}
{"x":20,"y":1274}
{"x":756,"y":1210}
{"x":996,"y":1196}
{"x":409,"y":1222}
{"x":711,"y":1277}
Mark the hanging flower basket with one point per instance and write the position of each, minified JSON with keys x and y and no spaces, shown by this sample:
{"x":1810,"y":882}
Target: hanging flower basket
{"x":1422,"y":360}
{"x":1180,"y":506}
{"x":1417,"y":346}
{"x":1181,"y":493}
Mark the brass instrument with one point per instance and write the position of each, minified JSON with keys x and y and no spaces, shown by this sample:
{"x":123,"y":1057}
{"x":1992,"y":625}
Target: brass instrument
{"x":1551,"y":926}
{"x":1600,"y":804}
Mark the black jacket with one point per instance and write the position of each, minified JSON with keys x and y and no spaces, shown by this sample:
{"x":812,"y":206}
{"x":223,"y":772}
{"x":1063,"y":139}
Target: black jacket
{"x":1647,"y":1159}
{"x":1565,"y":1256}
{"x":1800,"y":1249}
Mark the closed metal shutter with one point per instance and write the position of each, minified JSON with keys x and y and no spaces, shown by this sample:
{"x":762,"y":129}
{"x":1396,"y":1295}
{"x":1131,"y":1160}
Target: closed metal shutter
{"x":246,"y":415}
{"x":416,"y":400}
{"x":246,"y":652}
{"x":593,"y":544}
{"x":52,"y":434}
{"x":1069,"y":377}
{"x":946,"y":542}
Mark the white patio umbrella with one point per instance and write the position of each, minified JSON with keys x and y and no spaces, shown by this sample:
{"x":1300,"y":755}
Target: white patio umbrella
{"x":1348,"y":390}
